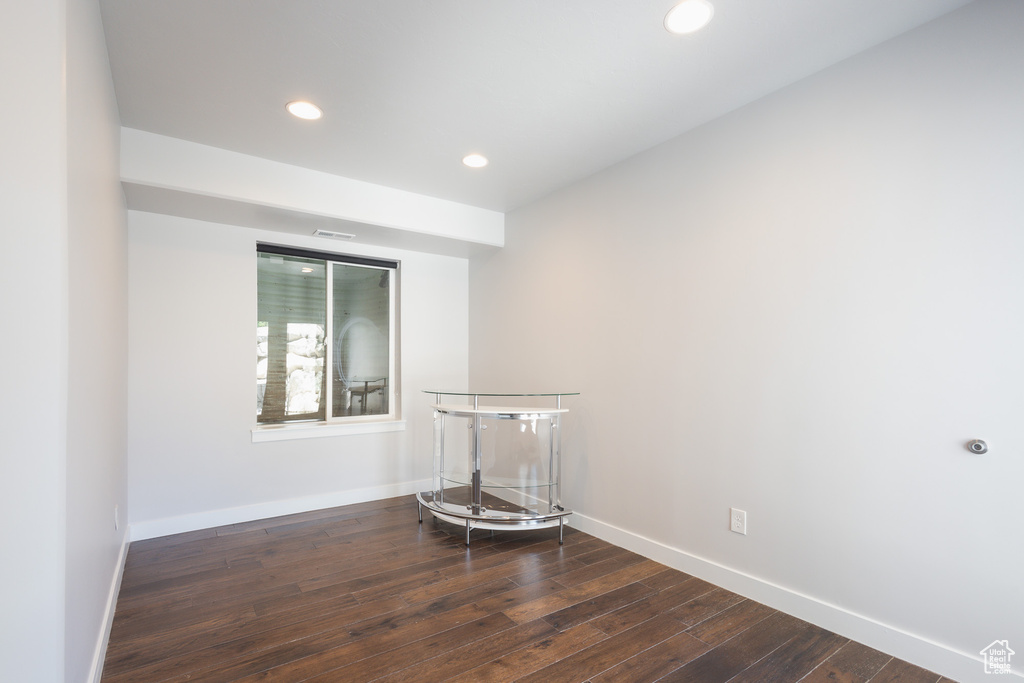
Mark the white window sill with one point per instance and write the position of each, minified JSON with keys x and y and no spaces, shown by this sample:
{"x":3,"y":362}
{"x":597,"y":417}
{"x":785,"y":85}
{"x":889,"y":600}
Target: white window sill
{"x":313,"y":430}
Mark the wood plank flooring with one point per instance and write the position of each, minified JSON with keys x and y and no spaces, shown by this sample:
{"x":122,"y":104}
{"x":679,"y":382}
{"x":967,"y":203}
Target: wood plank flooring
{"x":365,"y":593}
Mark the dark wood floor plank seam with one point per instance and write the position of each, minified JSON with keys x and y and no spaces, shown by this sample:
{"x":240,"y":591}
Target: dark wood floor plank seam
{"x":667,"y":578}
{"x":363,"y":532}
{"x":598,"y":658}
{"x":505,"y":570}
{"x":223,"y":542}
{"x":212,"y":580}
{"x":654,"y":662}
{"x":535,"y":656}
{"x":706,"y":606}
{"x":382,"y":571}
{"x":794,"y":659}
{"x":724,"y":661}
{"x":730,"y":622}
{"x":663,"y":601}
{"x":314,"y":518}
{"x":854,"y":662}
{"x":378,"y":656}
{"x":598,"y":606}
{"x":904,"y":672}
{"x":373,"y":578}
{"x":573,"y":594}
{"x":254,"y":662}
{"x":470,"y":655}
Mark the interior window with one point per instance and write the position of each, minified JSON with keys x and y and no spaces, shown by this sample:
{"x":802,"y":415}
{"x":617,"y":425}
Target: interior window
{"x":307,"y":360}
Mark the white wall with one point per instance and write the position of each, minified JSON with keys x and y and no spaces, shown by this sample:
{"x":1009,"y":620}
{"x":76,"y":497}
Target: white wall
{"x":804,"y":309}
{"x":33,"y":343}
{"x":97,"y":347}
{"x":192,"y":463}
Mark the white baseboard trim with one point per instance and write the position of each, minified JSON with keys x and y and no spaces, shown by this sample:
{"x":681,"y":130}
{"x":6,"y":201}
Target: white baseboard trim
{"x":141,"y":531}
{"x":941,"y":659}
{"x":96,"y":670}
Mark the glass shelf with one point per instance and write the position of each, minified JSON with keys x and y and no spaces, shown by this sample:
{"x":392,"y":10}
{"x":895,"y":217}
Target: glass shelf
{"x":498,"y":412}
{"x":497,"y":467}
{"x":466,"y":479}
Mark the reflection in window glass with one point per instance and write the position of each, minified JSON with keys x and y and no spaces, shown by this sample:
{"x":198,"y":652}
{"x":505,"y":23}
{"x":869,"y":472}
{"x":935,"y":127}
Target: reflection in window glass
{"x":361,"y":323}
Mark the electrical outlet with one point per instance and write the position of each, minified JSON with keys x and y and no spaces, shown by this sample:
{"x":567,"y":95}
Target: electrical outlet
{"x":117,"y":519}
{"x":738,"y":521}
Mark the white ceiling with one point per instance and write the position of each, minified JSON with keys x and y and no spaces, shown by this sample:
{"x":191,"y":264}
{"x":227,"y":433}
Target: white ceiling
{"x":550,"y":90}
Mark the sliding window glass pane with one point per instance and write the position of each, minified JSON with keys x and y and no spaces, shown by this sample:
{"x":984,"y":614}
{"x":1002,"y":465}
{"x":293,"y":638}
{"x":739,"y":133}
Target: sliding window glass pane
{"x":290,"y":338}
{"x":362,"y":340}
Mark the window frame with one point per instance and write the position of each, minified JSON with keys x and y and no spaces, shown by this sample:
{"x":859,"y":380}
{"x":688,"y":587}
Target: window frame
{"x":330,"y":425}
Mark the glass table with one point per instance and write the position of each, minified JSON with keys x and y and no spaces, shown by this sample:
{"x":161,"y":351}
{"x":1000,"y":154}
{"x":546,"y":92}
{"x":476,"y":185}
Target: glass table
{"x":497,"y":466}
{"x":361,"y":388}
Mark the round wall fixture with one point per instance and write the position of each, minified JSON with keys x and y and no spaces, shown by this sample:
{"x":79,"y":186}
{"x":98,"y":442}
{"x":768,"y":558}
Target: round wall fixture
{"x":978,"y":447}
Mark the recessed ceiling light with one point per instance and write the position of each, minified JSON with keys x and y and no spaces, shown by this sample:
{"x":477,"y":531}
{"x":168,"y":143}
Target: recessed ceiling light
{"x":475,"y":160}
{"x":304,"y":110}
{"x":689,"y":16}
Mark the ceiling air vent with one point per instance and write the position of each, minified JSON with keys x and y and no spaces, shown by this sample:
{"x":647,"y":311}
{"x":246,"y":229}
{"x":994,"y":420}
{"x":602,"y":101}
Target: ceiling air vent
{"x":334,"y":235}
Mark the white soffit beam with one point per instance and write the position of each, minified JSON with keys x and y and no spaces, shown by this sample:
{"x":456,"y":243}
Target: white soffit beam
{"x":166,"y":175}
{"x":158,"y":200}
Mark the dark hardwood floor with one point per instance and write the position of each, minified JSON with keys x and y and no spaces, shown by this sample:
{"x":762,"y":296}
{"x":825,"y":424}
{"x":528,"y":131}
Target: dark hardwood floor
{"x":365,"y":593}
